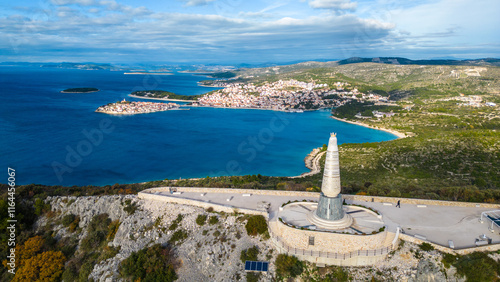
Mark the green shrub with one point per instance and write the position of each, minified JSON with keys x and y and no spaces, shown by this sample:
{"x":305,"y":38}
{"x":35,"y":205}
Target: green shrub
{"x":112,"y":229}
{"x":477,"y":266}
{"x":97,"y":232}
{"x":85,"y":270}
{"x":201,"y":219}
{"x":74,"y":225}
{"x":71,"y":221}
{"x":92,"y":241}
{"x":253,"y":277}
{"x":41,"y":207}
{"x":130,"y":207}
{"x":155,"y":263}
{"x":256,"y":225}
{"x":178,"y":236}
{"x":213,"y":220}
{"x":70,"y":274}
{"x":249,"y":254}
{"x":449,"y":260}
{"x":426,"y":247}
{"x":68,"y":219}
{"x":338,"y":273}
{"x":158,"y":221}
{"x":288,"y":266}
{"x":176,"y":222}
{"x":108,"y":252}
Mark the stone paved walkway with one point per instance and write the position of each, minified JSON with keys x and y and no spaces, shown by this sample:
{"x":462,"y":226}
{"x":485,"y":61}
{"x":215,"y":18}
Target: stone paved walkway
{"x":437,"y":224}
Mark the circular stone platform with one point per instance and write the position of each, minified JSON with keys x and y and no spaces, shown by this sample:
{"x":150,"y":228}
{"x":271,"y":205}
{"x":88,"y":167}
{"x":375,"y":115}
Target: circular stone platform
{"x":358,"y":220}
{"x":319,"y":222}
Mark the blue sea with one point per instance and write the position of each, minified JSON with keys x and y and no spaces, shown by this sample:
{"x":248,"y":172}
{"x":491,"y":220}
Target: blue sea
{"x":57,"y":139}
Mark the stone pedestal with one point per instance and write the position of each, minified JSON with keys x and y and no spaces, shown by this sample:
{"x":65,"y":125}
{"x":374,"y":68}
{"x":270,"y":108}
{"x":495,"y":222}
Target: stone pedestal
{"x":330,"y":208}
{"x":330,"y":213}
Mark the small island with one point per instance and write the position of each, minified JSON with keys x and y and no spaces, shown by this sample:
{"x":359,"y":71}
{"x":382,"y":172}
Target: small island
{"x":132,"y":108}
{"x":163,"y":95}
{"x":80,"y":90}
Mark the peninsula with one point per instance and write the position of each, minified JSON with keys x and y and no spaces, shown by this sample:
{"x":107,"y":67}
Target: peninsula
{"x":131,"y":108}
{"x":282,"y":95}
{"x":80,"y":90}
{"x":163,"y":95}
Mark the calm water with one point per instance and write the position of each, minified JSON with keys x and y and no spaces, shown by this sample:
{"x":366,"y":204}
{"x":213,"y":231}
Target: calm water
{"x":57,"y":139}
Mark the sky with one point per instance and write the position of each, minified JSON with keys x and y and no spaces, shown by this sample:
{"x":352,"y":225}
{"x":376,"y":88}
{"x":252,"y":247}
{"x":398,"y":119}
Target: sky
{"x":239,"y":31}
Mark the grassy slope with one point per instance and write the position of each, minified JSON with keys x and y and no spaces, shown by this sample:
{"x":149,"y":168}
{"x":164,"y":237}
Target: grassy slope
{"x":453,"y":148}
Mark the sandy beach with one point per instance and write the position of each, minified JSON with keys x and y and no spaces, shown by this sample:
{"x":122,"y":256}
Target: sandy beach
{"x":397,"y":133}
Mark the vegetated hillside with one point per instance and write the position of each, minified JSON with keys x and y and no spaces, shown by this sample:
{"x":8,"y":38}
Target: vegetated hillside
{"x":123,"y":238}
{"x":161,"y":94}
{"x":405,"y":61}
{"x":453,"y":149}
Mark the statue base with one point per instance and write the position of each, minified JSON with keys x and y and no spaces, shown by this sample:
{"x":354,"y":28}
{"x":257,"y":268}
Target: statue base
{"x":330,"y":213}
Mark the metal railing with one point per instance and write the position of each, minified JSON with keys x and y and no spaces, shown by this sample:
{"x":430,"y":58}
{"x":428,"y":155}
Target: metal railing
{"x":341,"y":256}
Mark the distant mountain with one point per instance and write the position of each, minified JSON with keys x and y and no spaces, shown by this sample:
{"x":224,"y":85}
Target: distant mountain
{"x":405,"y":61}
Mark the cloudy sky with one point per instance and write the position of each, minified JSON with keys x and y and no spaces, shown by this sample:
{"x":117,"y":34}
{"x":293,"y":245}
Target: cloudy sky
{"x":239,"y":31}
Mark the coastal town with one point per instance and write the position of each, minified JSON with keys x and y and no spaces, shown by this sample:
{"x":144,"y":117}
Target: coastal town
{"x":284,"y":95}
{"x":129,"y":108}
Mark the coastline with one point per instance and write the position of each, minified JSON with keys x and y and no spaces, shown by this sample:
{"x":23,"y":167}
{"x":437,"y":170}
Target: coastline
{"x":243,"y":108}
{"x":150,"y":73}
{"x":67,"y":92}
{"x":130,"y":114}
{"x":312,"y":162}
{"x":394,"y":132}
{"x":235,"y":108}
{"x":213,"y":86}
{"x":161,"y":99}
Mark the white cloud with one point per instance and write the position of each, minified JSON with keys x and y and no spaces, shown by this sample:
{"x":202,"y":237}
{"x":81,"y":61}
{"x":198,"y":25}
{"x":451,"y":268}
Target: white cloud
{"x":449,"y":23}
{"x":195,"y":36}
{"x":77,"y":2}
{"x":108,"y":27}
{"x":197,"y":2}
{"x":333,"y":4}
{"x":254,"y":15}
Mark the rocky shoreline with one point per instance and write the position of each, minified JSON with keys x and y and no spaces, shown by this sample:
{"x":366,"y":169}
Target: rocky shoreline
{"x":312,"y":162}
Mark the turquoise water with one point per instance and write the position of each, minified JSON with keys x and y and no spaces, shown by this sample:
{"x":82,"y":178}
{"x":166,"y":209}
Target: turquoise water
{"x":57,"y":139}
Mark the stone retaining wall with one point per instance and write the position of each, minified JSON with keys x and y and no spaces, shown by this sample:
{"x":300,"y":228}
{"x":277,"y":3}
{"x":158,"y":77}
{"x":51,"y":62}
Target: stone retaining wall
{"x":419,"y":201}
{"x":333,"y":242}
{"x":351,"y":261}
{"x":205,"y":205}
{"x":487,"y":248}
{"x":316,"y":195}
{"x":328,"y":255}
{"x":237,"y":191}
